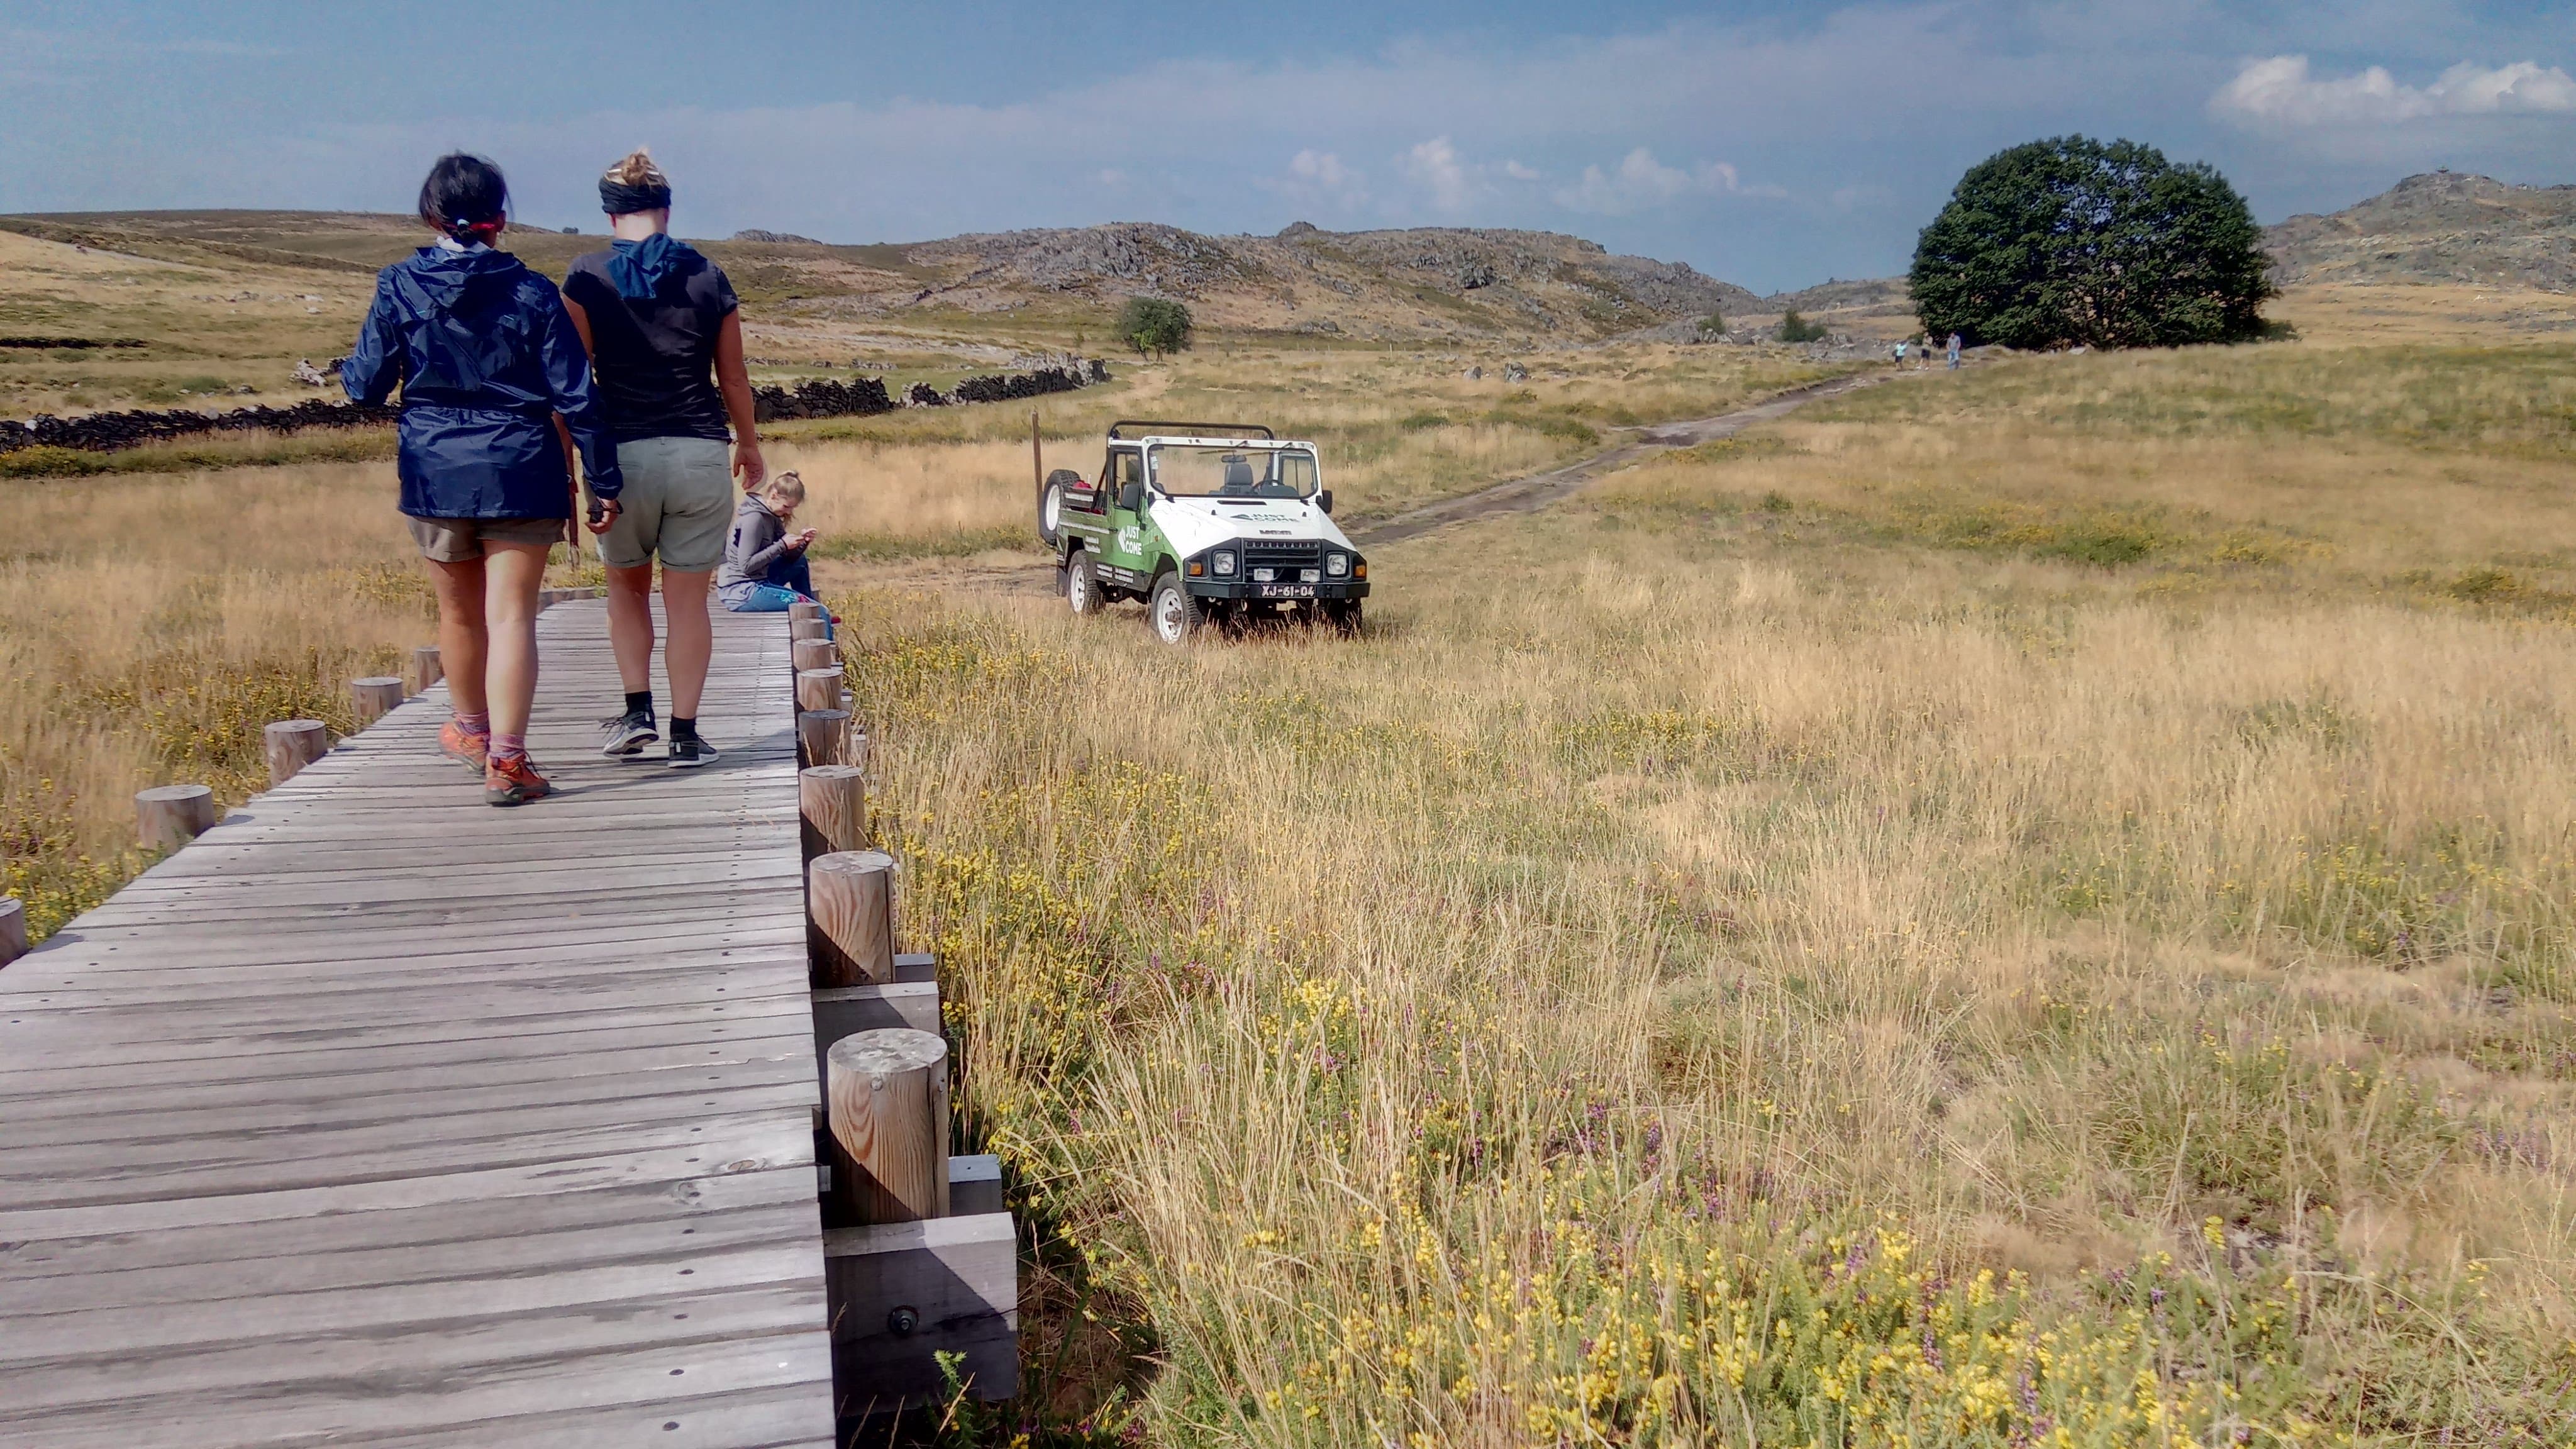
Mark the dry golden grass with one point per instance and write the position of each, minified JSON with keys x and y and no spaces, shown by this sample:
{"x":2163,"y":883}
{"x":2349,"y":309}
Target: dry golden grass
{"x":1635,"y":995}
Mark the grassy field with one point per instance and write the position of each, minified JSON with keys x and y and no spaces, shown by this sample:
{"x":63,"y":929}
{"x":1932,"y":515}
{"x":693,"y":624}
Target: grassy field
{"x":2023,"y":907}
{"x":2026,"y":907}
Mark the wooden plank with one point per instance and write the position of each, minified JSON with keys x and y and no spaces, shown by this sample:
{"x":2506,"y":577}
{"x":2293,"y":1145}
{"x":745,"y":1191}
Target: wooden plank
{"x":901,"y":1292}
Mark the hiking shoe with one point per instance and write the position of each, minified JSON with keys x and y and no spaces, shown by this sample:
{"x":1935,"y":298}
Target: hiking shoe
{"x":474,"y":750}
{"x":513,"y":781}
{"x":690,"y":754}
{"x":626,"y":735}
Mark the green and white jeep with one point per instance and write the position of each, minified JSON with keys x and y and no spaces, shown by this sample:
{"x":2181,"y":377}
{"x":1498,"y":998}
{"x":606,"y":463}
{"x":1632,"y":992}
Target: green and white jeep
{"x":1210,"y":524}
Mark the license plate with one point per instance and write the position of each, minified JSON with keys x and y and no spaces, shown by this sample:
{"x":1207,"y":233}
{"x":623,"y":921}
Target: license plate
{"x":1286,"y":591}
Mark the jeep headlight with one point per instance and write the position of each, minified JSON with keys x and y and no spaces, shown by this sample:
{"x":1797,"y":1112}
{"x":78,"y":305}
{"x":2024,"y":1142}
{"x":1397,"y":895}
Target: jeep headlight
{"x":1337,"y":564}
{"x":1225,"y":564}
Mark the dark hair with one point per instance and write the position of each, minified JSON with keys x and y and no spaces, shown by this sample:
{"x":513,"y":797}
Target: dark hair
{"x":462,"y":190}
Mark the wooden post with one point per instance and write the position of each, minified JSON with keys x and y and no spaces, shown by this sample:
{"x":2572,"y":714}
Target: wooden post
{"x":802,"y":610}
{"x":292,"y":745}
{"x":816,"y":654}
{"x":1037,"y":456}
{"x":808,"y":629}
{"x":823,"y":737}
{"x":818,"y":689}
{"x":849,"y":917}
{"x":428,"y":666}
{"x":169,"y":816}
{"x":888,"y":1110}
{"x":834,"y":801}
{"x":373,"y":697}
{"x":13,"y":929}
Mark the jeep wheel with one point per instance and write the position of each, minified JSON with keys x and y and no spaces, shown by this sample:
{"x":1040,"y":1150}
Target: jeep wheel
{"x":1051,"y":505}
{"x":1344,"y":617}
{"x":1081,"y":582}
{"x":1175,"y":615}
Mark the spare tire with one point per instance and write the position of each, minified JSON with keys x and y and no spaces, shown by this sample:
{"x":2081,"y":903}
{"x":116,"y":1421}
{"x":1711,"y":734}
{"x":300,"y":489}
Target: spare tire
{"x":1051,"y":499}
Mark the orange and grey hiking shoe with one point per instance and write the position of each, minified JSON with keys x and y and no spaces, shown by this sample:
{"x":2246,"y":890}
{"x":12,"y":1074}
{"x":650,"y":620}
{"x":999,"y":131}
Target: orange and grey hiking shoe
{"x":456,"y":744}
{"x":513,"y":781}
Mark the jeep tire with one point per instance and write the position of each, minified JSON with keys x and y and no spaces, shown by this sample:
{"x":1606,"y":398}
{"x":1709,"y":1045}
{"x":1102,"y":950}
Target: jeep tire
{"x":1051,"y":504}
{"x":1081,"y":583}
{"x":1174,"y":615}
{"x":1343,"y":617}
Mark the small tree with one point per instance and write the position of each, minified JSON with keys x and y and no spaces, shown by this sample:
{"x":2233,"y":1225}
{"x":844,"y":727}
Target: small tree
{"x":1155,"y":325}
{"x":1794,"y":328}
{"x":2075,"y":242}
{"x":1713,"y":325}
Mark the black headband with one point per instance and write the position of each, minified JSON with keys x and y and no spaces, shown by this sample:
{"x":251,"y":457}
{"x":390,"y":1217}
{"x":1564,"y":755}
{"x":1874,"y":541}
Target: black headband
{"x":619,"y":199}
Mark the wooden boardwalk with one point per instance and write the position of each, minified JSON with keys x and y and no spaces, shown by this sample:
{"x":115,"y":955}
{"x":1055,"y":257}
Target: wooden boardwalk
{"x":379,"y":1116}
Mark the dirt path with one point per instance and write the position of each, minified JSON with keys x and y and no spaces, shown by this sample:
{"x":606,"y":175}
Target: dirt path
{"x":1521,"y":495}
{"x":1018,"y":574}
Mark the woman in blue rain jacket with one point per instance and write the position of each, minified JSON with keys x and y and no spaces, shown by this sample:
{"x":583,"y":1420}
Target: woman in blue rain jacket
{"x":494,"y":382}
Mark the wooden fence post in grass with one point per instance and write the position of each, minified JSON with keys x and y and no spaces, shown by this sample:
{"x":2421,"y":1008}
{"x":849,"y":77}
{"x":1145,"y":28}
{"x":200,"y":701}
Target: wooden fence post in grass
{"x":823,"y":737}
{"x":428,"y":666}
{"x":849,"y":917}
{"x":816,"y":654}
{"x":804,"y":609}
{"x":373,"y":696}
{"x":818,"y":689}
{"x":13,"y":929}
{"x":292,"y":745}
{"x":808,"y":629}
{"x":887,"y":1102}
{"x":169,"y":816}
{"x":834,"y":802}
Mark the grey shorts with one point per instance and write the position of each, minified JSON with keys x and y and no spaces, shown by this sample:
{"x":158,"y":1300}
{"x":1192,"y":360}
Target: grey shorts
{"x":678,"y":504}
{"x":461,"y":540}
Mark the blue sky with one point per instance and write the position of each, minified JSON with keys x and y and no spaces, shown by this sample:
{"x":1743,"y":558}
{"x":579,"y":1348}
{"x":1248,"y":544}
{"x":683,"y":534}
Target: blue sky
{"x":1770,"y":145}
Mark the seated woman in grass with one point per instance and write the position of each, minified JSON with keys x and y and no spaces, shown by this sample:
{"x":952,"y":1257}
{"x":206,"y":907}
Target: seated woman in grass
{"x":765,"y":569}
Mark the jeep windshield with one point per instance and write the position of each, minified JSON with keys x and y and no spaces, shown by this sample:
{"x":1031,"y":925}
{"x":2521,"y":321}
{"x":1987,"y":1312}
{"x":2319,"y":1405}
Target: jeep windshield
{"x":1202,"y":470}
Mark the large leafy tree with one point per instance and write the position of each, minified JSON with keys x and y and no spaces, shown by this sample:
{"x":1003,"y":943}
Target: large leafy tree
{"x":2074,"y":241}
{"x":1155,"y":325}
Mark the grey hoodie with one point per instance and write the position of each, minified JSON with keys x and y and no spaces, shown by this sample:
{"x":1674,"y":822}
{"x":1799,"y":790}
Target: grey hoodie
{"x":758,"y":540}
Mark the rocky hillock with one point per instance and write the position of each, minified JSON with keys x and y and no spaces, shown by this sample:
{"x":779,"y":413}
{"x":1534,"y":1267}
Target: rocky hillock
{"x":2446,"y":226}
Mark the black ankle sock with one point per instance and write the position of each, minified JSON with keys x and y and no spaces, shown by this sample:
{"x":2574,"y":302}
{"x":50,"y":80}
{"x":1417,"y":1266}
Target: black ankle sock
{"x":683,"y":729}
{"x":640,"y":702}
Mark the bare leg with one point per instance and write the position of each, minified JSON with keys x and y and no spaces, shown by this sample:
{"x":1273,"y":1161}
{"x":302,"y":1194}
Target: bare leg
{"x":630,"y":625}
{"x":693,"y":638}
{"x":461,"y":637}
{"x":512,"y":573}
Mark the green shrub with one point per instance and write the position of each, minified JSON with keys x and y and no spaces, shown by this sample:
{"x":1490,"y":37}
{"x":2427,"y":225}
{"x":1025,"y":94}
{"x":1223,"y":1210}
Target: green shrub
{"x":1156,"y":325}
{"x":1794,"y":328}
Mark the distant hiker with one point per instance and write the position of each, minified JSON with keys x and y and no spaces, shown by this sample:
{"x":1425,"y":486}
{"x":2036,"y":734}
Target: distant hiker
{"x":1954,"y":352}
{"x":493,"y":377}
{"x":1899,"y":354}
{"x":765,"y":569}
{"x":665,"y":335}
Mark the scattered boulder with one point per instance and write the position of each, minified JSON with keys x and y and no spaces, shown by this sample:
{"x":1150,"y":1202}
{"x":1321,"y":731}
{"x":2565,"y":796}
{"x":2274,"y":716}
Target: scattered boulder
{"x":1475,"y":275}
{"x":1514,"y":372}
{"x":309,"y":375}
{"x":1474,"y":374}
{"x":755,"y":234}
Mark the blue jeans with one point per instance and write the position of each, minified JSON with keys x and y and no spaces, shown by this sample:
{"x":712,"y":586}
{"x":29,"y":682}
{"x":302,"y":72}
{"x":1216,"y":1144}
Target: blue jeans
{"x":788,"y":584}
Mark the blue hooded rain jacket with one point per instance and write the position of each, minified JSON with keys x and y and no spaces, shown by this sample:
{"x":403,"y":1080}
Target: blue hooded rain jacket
{"x":485,"y":356}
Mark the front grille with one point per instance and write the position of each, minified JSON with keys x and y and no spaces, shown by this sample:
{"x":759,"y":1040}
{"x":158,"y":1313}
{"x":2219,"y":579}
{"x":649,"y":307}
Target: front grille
{"x":1282,"y":554}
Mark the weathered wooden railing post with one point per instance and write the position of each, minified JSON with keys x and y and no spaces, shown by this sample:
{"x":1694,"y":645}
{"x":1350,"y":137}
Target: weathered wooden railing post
{"x":823,"y":737}
{"x":169,"y":816}
{"x":428,"y":666}
{"x":293,"y":744}
{"x":804,"y":609}
{"x":13,"y":929}
{"x":888,"y":1113}
{"x":849,"y":907}
{"x":833,"y":799}
{"x":374,"y":697}
{"x":818,"y":688}
{"x":808,"y":629}
{"x":816,"y":654}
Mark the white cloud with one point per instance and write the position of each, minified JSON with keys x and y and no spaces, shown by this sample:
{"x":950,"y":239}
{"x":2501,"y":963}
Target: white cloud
{"x":1642,"y":182}
{"x":1434,"y":166}
{"x":1518,"y":172}
{"x":2280,"y":91}
{"x":1320,"y":178}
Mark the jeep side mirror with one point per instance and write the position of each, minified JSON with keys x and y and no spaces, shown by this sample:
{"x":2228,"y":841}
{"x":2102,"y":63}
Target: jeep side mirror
{"x":1324,"y":500}
{"x":1131,"y":495}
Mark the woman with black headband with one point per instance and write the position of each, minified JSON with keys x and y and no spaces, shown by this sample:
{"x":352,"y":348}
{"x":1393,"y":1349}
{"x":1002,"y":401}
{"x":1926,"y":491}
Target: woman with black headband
{"x":493,"y":377}
{"x":665,"y":337}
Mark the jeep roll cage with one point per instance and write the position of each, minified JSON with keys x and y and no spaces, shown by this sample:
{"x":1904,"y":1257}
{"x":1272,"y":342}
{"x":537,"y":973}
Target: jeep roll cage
{"x":1188,"y":430}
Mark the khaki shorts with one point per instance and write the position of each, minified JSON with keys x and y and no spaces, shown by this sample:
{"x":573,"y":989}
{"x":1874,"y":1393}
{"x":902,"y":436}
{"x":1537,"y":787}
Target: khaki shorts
{"x":678,"y":504}
{"x":461,"y":540}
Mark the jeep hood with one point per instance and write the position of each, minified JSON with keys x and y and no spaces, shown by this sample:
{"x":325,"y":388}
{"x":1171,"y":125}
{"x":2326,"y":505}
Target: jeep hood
{"x":1193,"y":524}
